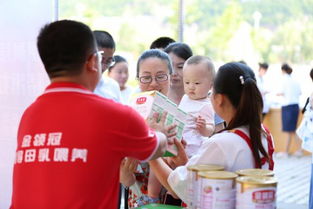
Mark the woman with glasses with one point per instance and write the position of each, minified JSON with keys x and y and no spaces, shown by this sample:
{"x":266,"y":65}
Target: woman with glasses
{"x":154,"y":68}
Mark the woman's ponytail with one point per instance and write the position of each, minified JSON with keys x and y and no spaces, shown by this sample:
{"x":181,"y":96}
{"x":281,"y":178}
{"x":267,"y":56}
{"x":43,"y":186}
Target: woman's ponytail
{"x":238,"y":83}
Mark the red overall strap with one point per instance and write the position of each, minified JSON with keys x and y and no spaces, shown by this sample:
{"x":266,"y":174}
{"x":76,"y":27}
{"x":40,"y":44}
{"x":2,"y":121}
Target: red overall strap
{"x":270,"y":147}
{"x":248,"y":141}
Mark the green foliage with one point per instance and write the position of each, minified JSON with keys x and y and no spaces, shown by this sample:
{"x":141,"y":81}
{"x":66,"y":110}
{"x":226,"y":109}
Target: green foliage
{"x":285,"y":32}
{"x":261,"y":38}
{"x":223,"y":30}
{"x":294,"y":41}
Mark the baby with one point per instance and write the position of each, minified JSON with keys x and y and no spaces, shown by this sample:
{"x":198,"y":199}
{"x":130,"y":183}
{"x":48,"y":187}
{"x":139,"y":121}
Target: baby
{"x":198,"y":76}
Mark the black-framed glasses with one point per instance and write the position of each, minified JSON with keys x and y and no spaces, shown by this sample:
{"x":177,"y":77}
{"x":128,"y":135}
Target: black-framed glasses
{"x":158,"y":78}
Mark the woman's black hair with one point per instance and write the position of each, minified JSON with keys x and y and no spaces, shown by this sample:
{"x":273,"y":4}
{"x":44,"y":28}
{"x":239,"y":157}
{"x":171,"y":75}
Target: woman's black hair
{"x":181,"y":50}
{"x":236,"y":81}
{"x":117,"y":59}
{"x":155,"y":53}
{"x":285,"y":67}
{"x":311,"y":74}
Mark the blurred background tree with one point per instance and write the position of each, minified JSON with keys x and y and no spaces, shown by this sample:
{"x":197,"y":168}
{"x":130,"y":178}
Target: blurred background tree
{"x":226,"y":30}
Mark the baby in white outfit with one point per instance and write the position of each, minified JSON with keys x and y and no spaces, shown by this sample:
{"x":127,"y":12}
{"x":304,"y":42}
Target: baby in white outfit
{"x":198,"y":76}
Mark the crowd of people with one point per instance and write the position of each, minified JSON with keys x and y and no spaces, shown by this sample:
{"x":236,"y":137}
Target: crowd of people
{"x":80,"y":145}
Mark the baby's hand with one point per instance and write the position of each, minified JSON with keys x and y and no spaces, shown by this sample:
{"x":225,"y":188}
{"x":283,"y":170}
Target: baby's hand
{"x":204,"y":128}
{"x":200,"y":123}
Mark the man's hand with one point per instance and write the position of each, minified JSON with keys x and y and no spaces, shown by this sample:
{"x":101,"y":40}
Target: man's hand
{"x":159,"y":125}
{"x":127,"y":169}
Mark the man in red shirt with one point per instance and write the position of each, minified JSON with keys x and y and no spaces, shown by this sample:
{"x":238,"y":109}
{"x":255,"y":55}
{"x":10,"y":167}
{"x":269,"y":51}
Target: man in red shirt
{"x":71,"y":141}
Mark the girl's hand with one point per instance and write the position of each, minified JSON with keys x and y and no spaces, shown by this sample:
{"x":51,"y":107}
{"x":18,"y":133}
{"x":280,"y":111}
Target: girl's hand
{"x":181,"y":158}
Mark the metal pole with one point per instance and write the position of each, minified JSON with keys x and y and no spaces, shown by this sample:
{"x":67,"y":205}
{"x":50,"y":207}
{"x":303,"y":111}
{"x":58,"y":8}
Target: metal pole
{"x":181,"y":21}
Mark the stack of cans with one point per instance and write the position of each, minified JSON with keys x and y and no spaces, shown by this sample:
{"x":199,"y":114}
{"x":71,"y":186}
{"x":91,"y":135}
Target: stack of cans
{"x":212,"y":188}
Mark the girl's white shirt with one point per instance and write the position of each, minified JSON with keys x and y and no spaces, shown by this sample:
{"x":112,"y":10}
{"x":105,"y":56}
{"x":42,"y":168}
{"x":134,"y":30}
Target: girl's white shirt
{"x":226,"y":149}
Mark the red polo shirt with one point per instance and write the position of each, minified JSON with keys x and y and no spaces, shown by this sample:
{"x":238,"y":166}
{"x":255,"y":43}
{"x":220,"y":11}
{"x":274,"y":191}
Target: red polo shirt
{"x":70,"y":146}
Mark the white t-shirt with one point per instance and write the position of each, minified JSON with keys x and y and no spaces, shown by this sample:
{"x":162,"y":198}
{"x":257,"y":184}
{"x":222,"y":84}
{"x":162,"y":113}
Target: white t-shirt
{"x":291,"y":90}
{"x":194,"y":108}
{"x":126,"y":93}
{"x":262,"y":85}
{"x":108,"y":88}
{"x":226,"y":149}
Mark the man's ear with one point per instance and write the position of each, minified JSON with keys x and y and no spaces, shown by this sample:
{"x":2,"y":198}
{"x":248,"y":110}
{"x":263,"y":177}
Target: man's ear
{"x":92,"y":63}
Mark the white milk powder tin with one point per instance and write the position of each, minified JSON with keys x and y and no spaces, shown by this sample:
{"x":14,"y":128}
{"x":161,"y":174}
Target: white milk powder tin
{"x":217,"y":190}
{"x":255,"y":172}
{"x":194,"y":183}
{"x":254,"y":192}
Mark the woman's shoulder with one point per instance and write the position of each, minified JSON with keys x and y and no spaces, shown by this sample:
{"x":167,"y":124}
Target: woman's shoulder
{"x":226,"y":139}
{"x":227,"y":134}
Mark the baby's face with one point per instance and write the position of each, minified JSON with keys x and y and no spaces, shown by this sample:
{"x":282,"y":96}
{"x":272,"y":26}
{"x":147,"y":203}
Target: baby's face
{"x":197,"y":81}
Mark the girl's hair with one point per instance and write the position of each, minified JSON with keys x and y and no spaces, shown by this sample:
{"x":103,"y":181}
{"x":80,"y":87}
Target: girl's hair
{"x":117,"y":59}
{"x":156,"y":53}
{"x":181,"y":50}
{"x":311,"y":74}
{"x":236,"y":81}
{"x":285,"y":67}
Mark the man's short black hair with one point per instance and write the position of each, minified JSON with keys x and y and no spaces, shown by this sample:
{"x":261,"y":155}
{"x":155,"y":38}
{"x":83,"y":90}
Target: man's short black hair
{"x":64,"y":46}
{"x":104,"y":39}
{"x":286,"y":68}
{"x":161,"y":43}
{"x":263,"y":65}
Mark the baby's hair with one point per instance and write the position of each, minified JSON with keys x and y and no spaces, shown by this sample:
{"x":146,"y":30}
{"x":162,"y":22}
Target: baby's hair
{"x":197,"y":59}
